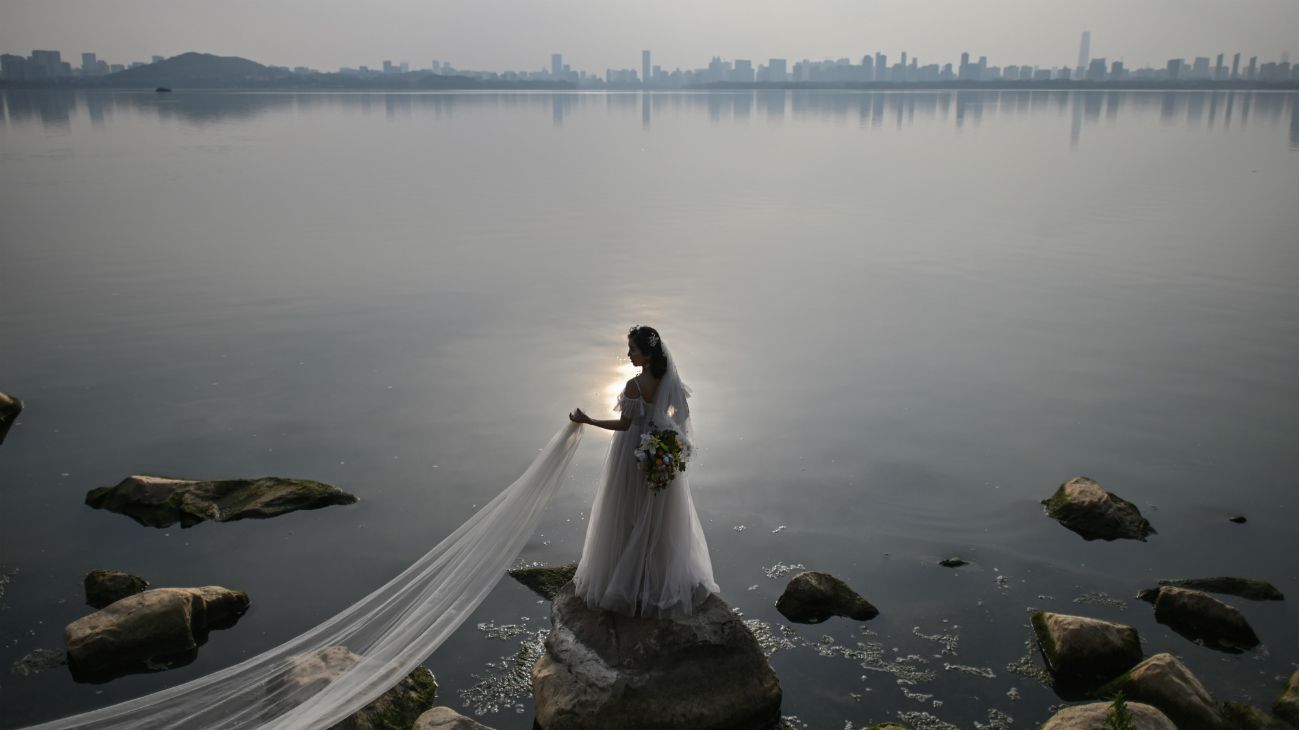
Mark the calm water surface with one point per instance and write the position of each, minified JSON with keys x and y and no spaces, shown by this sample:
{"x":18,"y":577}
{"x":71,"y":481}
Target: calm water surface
{"x":907,"y":318}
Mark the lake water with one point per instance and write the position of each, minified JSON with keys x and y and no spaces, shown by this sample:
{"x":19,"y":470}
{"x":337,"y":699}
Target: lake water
{"x":907,"y":318}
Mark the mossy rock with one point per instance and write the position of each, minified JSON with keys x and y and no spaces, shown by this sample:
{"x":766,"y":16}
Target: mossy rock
{"x":1082,"y":506}
{"x":1254,"y":590}
{"x":1241,"y":716}
{"x":399,"y":707}
{"x":104,"y":587}
{"x":1165,"y":683}
{"x":545,"y":581}
{"x":814,"y":596}
{"x":1285,"y":704}
{"x":162,"y":502}
{"x":1202,"y":618}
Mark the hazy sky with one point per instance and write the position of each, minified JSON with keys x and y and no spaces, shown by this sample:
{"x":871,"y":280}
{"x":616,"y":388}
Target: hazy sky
{"x":597,"y":34}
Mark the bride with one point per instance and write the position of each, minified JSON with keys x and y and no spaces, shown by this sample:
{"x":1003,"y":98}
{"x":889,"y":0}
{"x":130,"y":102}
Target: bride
{"x":644,"y":554}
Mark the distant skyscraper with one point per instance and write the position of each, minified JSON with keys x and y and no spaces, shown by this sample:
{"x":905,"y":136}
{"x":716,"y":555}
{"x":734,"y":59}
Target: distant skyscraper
{"x":1236,"y":65}
{"x":1250,"y":68}
{"x":1220,"y":73}
{"x":88,"y":63}
{"x":776,"y":70}
{"x":1085,"y":51}
{"x":645,"y":68}
{"x":557,"y":65}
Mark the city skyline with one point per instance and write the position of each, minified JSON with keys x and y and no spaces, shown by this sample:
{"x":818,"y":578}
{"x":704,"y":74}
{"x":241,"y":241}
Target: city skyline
{"x":498,"y":36}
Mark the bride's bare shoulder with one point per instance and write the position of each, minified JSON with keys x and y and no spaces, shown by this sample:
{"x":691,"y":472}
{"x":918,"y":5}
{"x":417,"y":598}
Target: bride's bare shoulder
{"x":642,"y":386}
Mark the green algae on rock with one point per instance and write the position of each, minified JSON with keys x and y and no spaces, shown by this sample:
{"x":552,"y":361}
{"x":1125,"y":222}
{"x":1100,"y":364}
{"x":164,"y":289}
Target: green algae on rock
{"x":1165,"y":683}
{"x":545,"y":580}
{"x":162,"y":502}
{"x":107,"y":586}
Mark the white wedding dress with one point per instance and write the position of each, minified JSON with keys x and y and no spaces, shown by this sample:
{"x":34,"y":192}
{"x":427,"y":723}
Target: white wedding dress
{"x":645,"y":553}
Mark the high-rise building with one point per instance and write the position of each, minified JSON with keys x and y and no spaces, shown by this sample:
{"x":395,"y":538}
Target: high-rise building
{"x":1085,"y":52}
{"x":1220,"y":72}
{"x":1236,"y":66}
{"x":88,"y":63}
{"x":882,"y":67}
{"x":776,"y":70}
{"x":1201,"y":67}
{"x":1250,"y":68}
{"x":1174,"y":68}
{"x":557,"y":65}
{"x":1096,"y":70}
{"x":646,"y":78}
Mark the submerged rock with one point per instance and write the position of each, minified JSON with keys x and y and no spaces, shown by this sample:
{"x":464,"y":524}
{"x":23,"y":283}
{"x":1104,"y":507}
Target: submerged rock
{"x":399,"y":707}
{"x":813,"y":596}
{"x":1255,"y":590}
{"x":162,"y":502}
{"x":1165,"y":683}
{"x":1081,"y":505}
{"x":1285,"y":704}
{"x":10,"y":407}
{"x":1093,"y":716}
{"x":605,"y":670}
{"x":545,"y":581}
{"x":1205,"y":619}
{"x":445,"y":718}
{"x":1085,"y":651}
{"x":150,"y":631}
{"x":1239,"y":519}
{"x":107,"y":586}
{"x":953,"y":562}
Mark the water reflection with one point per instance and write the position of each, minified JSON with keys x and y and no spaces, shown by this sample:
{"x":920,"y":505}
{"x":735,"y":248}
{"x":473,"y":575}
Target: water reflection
{"x":58,"y":111}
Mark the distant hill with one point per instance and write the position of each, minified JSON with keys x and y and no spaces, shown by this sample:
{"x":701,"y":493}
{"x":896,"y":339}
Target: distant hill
{"x":198,"y":70}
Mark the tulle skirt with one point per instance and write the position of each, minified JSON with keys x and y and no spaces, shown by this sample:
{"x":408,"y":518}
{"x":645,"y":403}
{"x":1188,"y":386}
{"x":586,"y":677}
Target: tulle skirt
{"x":645,"y":553}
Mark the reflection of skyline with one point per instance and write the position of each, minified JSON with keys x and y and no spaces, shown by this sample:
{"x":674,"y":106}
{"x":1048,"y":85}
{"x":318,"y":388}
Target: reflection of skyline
{"x":1211,"y":110}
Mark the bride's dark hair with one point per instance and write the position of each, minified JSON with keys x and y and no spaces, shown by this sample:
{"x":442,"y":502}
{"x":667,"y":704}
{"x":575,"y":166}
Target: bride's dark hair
{"x":648,"y":342}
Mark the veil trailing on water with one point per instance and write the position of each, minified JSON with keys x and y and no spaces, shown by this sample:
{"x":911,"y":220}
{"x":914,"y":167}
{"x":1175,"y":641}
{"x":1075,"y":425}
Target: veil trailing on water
{"x":386,"y":634}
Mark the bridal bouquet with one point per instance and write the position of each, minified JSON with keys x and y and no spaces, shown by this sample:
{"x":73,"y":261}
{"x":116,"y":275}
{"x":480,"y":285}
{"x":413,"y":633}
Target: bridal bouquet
{"x":661,"y":455}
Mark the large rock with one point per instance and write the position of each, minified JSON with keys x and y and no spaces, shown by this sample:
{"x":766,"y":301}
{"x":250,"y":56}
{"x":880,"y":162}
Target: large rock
{"x":1167,"y":684}
{"x":107,"y":586}
{"x":813,"y":596}
{"x":1205,"y":619}
{"x":1285,"y":704}
{"x":162,"y":502}
{"x":445,"y":718}
{"x":10,"y":407}
{"x":1241,"y":716}
{"x":1084,"y":507}
{"x":150,"y":631}
{"x":399,"y":707}
{"x":1093,"y":716}
{"x":1084,"y":651}
{"x":604,"y":670}
{"x":1255,"y":590}
{"x":545,"y":580}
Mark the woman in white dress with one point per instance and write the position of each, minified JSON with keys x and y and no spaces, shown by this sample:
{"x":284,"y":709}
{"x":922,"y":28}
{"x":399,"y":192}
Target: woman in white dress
{"x":645,"y":553}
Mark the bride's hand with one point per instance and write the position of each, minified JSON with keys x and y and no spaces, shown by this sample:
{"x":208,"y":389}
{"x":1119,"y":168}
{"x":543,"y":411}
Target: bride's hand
{"x":579,"y":417}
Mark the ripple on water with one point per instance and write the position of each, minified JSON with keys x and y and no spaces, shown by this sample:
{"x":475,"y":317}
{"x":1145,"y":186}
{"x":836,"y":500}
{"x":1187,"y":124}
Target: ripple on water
{"x":506,"y":680}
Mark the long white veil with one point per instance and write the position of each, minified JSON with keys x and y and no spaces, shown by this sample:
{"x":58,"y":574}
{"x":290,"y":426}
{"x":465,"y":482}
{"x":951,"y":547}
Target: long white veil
{"x":670,"y":406}
{"x":391,"y":630}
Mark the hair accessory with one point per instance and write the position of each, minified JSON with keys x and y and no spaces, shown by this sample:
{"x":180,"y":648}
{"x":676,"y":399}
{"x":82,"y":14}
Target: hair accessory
{"x":654,"y":340}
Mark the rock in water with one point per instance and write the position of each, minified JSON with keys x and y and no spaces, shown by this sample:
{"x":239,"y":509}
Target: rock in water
{"x":162,"y":502}
{"x":445,"y":718}
{"x":953,"y":562}
{"x":1168,"y":685}
{"x":1084,"y":507}
{"x":604,"y":670}
{"x":1241,"y":716}
{"x":10,"y":407}
{"x":1285,"y":704}
{"x":1093,"y":716}
{"x":545,"y":581}
{"x":813,"y":596}
{"x":1203,"y":618}
{"x":399,"y":707}
{"x":106,"y":586}
{"x":150,"y":631}
{"x":1255,"y":590}
{"x":1085,"y":651}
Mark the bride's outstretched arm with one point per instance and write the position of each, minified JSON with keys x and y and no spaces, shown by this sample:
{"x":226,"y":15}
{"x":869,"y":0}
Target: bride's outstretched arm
{"x":613,"y":424}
